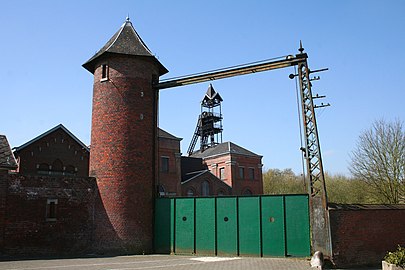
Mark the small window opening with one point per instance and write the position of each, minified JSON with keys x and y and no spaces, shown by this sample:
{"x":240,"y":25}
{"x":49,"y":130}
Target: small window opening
{"x":51,"y":209}
{"x":165,"y":164}
{"x":205,"y":188}
{"x":222,"y":173}
{"x":104,"y":72}
{"x":241,"y":173}
{"x":251,"y":173}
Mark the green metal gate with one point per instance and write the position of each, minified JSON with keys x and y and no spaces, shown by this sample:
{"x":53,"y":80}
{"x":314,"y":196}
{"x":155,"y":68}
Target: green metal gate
{"x":233,"y":226}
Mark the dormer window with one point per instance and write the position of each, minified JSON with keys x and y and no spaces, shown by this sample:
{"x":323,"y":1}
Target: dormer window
{"x":104,"y":72}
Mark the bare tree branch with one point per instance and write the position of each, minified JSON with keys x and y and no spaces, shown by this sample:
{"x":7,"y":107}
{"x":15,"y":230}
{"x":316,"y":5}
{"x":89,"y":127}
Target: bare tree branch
{"x":379,"y":160}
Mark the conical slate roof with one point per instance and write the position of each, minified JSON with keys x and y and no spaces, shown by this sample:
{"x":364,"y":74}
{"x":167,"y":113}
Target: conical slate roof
{"x":125,"y":41}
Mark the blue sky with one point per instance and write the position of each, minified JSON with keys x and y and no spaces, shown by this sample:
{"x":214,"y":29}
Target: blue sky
{"x":44,"y":44}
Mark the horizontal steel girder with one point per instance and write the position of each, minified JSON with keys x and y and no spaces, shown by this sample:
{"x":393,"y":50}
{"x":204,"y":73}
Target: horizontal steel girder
{"x":231,"y":72}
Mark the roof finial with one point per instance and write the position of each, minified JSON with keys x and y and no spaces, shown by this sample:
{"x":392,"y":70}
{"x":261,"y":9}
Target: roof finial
{"x":301,"y":49}
{"x":127,"y":19}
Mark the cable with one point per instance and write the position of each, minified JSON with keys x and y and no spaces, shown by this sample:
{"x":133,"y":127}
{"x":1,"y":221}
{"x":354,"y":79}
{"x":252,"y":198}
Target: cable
{"x":300,"y":127}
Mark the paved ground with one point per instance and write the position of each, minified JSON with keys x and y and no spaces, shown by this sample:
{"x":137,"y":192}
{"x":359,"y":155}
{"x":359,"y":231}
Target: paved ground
{"x":158,"y":262}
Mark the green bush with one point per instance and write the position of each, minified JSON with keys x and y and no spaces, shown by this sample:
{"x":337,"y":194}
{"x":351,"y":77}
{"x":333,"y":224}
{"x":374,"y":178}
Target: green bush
{"x":397,"y":257}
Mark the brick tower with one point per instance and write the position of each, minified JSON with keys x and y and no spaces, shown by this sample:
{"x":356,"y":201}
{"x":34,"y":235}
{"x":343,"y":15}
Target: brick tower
{"x":124,"y":142}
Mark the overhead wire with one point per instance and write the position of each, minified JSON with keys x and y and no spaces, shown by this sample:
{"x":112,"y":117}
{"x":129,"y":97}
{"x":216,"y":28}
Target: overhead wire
{"x":300,"y":126}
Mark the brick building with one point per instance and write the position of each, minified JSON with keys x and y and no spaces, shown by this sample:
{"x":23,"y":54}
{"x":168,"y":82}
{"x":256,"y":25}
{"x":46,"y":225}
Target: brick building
{"x":236,"y":166}
{"x":169,"y":164}
{"x":55,"y":152}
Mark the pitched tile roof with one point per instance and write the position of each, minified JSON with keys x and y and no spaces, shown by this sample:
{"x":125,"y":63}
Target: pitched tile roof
{"x":222,"y":149}
{"x":60,"y":126}
{"x":164,"y":134}
{"x":7,"y":160}
{"x":125,"y":41}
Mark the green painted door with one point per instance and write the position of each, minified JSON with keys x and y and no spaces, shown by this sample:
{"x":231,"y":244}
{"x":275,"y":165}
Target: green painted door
{"x":164,"y":225}
{"x":297,"y":225}
{"x":184,"y":226}
{"x":273,"y":233}
{"x":227,"y":242}
{"x":249,"y":226}
{"x":205,"y":226}
{"x":231,"y":226}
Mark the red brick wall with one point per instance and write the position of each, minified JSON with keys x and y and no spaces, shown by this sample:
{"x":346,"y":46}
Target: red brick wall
{"x":171,"y":180}
{"x":231,"y":164}
{"x":25,"y":228}
{"x":56,"y":145}
{"x":123,"y":150}
{"x":240,"y":185}
{"x":363,"y":236}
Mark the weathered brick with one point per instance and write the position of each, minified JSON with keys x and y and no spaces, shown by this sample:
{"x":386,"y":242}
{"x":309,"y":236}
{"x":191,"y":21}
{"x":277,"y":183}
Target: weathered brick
{"x":122,"y":153}
{"x":363,"y":236}
{"x":25,"y":229}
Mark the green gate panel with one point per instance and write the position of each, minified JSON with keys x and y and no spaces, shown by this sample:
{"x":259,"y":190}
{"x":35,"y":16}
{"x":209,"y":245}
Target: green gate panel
{"x":205,"y":226}
{"x":184,"y":226}
{"x":249,"y":226}
{"x":227,"y":224}
{"x":164,"y":225}
{"x":273,"y":233}
{"x":297,"y":225}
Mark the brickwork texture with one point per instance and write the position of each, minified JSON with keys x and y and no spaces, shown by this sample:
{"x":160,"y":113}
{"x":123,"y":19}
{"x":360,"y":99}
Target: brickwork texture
{"x":122,"y":153}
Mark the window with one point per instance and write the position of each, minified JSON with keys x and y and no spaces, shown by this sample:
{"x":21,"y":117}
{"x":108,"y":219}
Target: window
{"x":205,"y":188}
{"x":57,"y":167}
{"x":162,"y":191}
{"x":241,"y":173}
{"x":247,"y":192}
{"x":104,"y":72}
{"x":251,"y":173}
{"x":51,"y":209}
{"x":43,"y":168}
{"x":165,"y":164}
{"x":190,"y":192}
{"x":70,"y":170}
{"x":222,"y":173}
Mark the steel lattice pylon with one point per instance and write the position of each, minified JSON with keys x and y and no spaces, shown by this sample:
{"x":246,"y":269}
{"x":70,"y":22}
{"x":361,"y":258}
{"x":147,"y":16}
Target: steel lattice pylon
{"x":320,"y":229}
{"x":312,"y":148}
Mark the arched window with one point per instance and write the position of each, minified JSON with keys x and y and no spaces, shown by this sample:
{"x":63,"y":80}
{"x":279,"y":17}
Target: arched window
{"x":162,"y":191}
{"x":43,"y":168}
{"x":247,"y":192}
{"x":70,"y":170}
{"x":190,"y":192}
{"x":205,"y":188}
{"x":57,"y":167}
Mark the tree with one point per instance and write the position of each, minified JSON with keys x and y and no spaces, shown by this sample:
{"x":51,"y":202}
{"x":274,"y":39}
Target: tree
{"x":277,"y":181}
{"x":343,"y":189}
{"x":379,"y":160}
